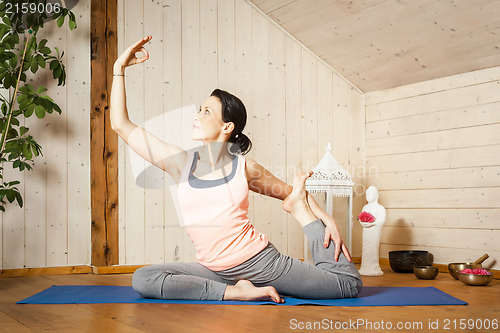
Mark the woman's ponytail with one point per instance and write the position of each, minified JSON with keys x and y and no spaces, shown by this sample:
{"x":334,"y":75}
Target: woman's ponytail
{"x":241,"y":144}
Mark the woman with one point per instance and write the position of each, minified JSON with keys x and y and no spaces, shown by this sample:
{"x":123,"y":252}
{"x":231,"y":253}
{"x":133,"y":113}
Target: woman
{"x":235,"y":262}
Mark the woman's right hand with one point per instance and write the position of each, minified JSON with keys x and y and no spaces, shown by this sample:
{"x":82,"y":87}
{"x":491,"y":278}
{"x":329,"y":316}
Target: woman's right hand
{"x":128,"y":58}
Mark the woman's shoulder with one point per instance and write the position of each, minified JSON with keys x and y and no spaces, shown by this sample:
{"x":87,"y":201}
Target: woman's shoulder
{"x":180,"y":160}
{"x":252,"y":168}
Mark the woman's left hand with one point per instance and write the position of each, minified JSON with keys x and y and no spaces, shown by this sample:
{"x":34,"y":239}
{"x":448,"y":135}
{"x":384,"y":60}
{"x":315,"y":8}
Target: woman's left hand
{"x":331,"y":232}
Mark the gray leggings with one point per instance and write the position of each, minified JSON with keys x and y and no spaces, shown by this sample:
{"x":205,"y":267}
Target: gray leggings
{"x":291,"y":277}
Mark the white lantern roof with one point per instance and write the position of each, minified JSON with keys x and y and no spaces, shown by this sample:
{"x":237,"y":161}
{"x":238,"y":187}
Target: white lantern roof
{"x":330,"y":176}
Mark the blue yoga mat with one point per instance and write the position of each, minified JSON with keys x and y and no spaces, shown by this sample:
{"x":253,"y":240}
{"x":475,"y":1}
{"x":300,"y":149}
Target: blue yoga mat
{"x":369,"y":296}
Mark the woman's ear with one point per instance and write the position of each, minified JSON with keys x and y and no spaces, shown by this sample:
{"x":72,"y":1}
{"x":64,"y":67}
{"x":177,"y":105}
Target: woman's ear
{"x":228,"y":128}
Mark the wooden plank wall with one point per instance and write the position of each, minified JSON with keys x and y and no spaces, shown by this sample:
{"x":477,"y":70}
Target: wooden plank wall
{"x":432,"y":151}
{"x":295,"y":104}
{"x":53,"y":226}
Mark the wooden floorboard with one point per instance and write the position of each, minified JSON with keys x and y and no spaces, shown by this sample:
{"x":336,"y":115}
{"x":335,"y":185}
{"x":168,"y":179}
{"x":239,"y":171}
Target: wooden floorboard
{"x":484,"y":303}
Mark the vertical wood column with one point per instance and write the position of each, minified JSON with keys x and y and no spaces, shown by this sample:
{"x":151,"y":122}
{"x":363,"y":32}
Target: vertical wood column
{"x":103,"y":141}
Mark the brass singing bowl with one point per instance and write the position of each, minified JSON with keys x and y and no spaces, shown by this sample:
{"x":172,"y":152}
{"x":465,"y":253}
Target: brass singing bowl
{"x":425,"y":272}
{"x":456,"y":267}
{"x":475,"y":279}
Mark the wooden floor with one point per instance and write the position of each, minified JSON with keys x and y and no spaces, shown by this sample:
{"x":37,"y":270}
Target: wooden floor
{"x":484,"y":303}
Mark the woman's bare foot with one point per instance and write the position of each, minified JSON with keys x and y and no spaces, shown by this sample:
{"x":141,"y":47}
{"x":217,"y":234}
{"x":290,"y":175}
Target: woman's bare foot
{"x":296,"y":202}
{"x":244,"y":290}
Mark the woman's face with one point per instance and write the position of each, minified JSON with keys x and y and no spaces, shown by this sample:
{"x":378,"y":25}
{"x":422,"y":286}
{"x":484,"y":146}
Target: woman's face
{"x":208,"y":124}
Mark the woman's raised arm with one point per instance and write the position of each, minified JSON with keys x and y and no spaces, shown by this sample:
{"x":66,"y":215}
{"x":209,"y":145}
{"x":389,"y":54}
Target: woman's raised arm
{"x":165,"y":156}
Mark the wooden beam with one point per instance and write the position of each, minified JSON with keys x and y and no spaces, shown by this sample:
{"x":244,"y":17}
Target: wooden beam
{"x":104,"y":142}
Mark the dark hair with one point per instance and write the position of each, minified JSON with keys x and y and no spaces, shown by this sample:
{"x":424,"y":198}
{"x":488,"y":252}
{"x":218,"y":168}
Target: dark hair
{"x":233,"y":110}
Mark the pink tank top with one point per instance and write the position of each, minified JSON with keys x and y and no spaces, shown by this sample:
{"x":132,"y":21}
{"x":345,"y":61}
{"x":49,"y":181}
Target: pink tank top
{"x":215,"y":215}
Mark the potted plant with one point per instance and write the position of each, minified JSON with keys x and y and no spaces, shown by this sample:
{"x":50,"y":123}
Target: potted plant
{"x":18,"y":55}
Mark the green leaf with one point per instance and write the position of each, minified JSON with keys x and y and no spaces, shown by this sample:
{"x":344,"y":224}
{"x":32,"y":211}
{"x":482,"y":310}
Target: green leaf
{"x":12,"y":133}
{"x":60,"y":21}
{"x":11,"y":195}
{"x":32,"y":43}
{"x":57,"y":108}
{"x":57,"y":73}
{"x":21,"y":98}
{"x":27,"y":151}
{"x":38,"y":100}
{"x":12,"y":145}
{"x":19,"y":199}
{"x":41,"y":89}
{"x":16,"y":164}
{"x":54,"y":64}
{"x":6,"y":82}
{"x":24,"y":130}
{"x":45,"y":50}
{"x":72,"y":24}
{"x":40,"y":60}
{"x":13,"y":156}
{"x":13,"y":61}
{"x":14,"y":182}
{"x":62,"y":79}
{"x":30,"y":88}
{"x":42,"y":43}
{"x":40,"y":111}
{"x":8,"y":150}
{"x":16,"y":38}
{"x":29,"y":110}
{"x":24,"y":89}
{"x":45,"y":103}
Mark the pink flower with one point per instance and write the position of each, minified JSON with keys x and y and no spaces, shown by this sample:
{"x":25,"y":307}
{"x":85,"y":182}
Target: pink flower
{"x":366,"y":217}
{"x":476,"y":271}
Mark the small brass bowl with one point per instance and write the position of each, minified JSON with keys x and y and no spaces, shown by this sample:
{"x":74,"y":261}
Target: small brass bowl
{"x":475,"y":279}
{"x":454,"y":268}
{"x":425,"y":272}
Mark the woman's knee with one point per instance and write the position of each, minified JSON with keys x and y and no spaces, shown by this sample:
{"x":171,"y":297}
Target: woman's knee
{"x":339,"y":286}
{"x":357,"y":286}
{"x":140,"y":280}
{"x":349,"y":286}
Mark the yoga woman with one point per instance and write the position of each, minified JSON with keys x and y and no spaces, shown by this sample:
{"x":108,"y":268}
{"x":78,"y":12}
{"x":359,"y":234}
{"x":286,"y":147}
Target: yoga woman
{"x":235,"y":261}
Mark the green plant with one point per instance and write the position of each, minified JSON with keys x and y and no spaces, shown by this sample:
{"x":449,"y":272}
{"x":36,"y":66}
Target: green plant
{"x":25,"y":18}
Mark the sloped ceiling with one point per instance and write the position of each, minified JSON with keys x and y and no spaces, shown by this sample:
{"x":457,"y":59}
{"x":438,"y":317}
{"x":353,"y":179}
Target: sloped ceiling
{"x":380,"y":44}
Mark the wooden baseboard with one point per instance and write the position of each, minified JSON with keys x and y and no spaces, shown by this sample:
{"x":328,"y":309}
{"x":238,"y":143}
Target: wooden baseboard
{"x":67,"y":270}
{"x":63,"y":270}
{"x":116,"y":269}
{"x":127,"y":269}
